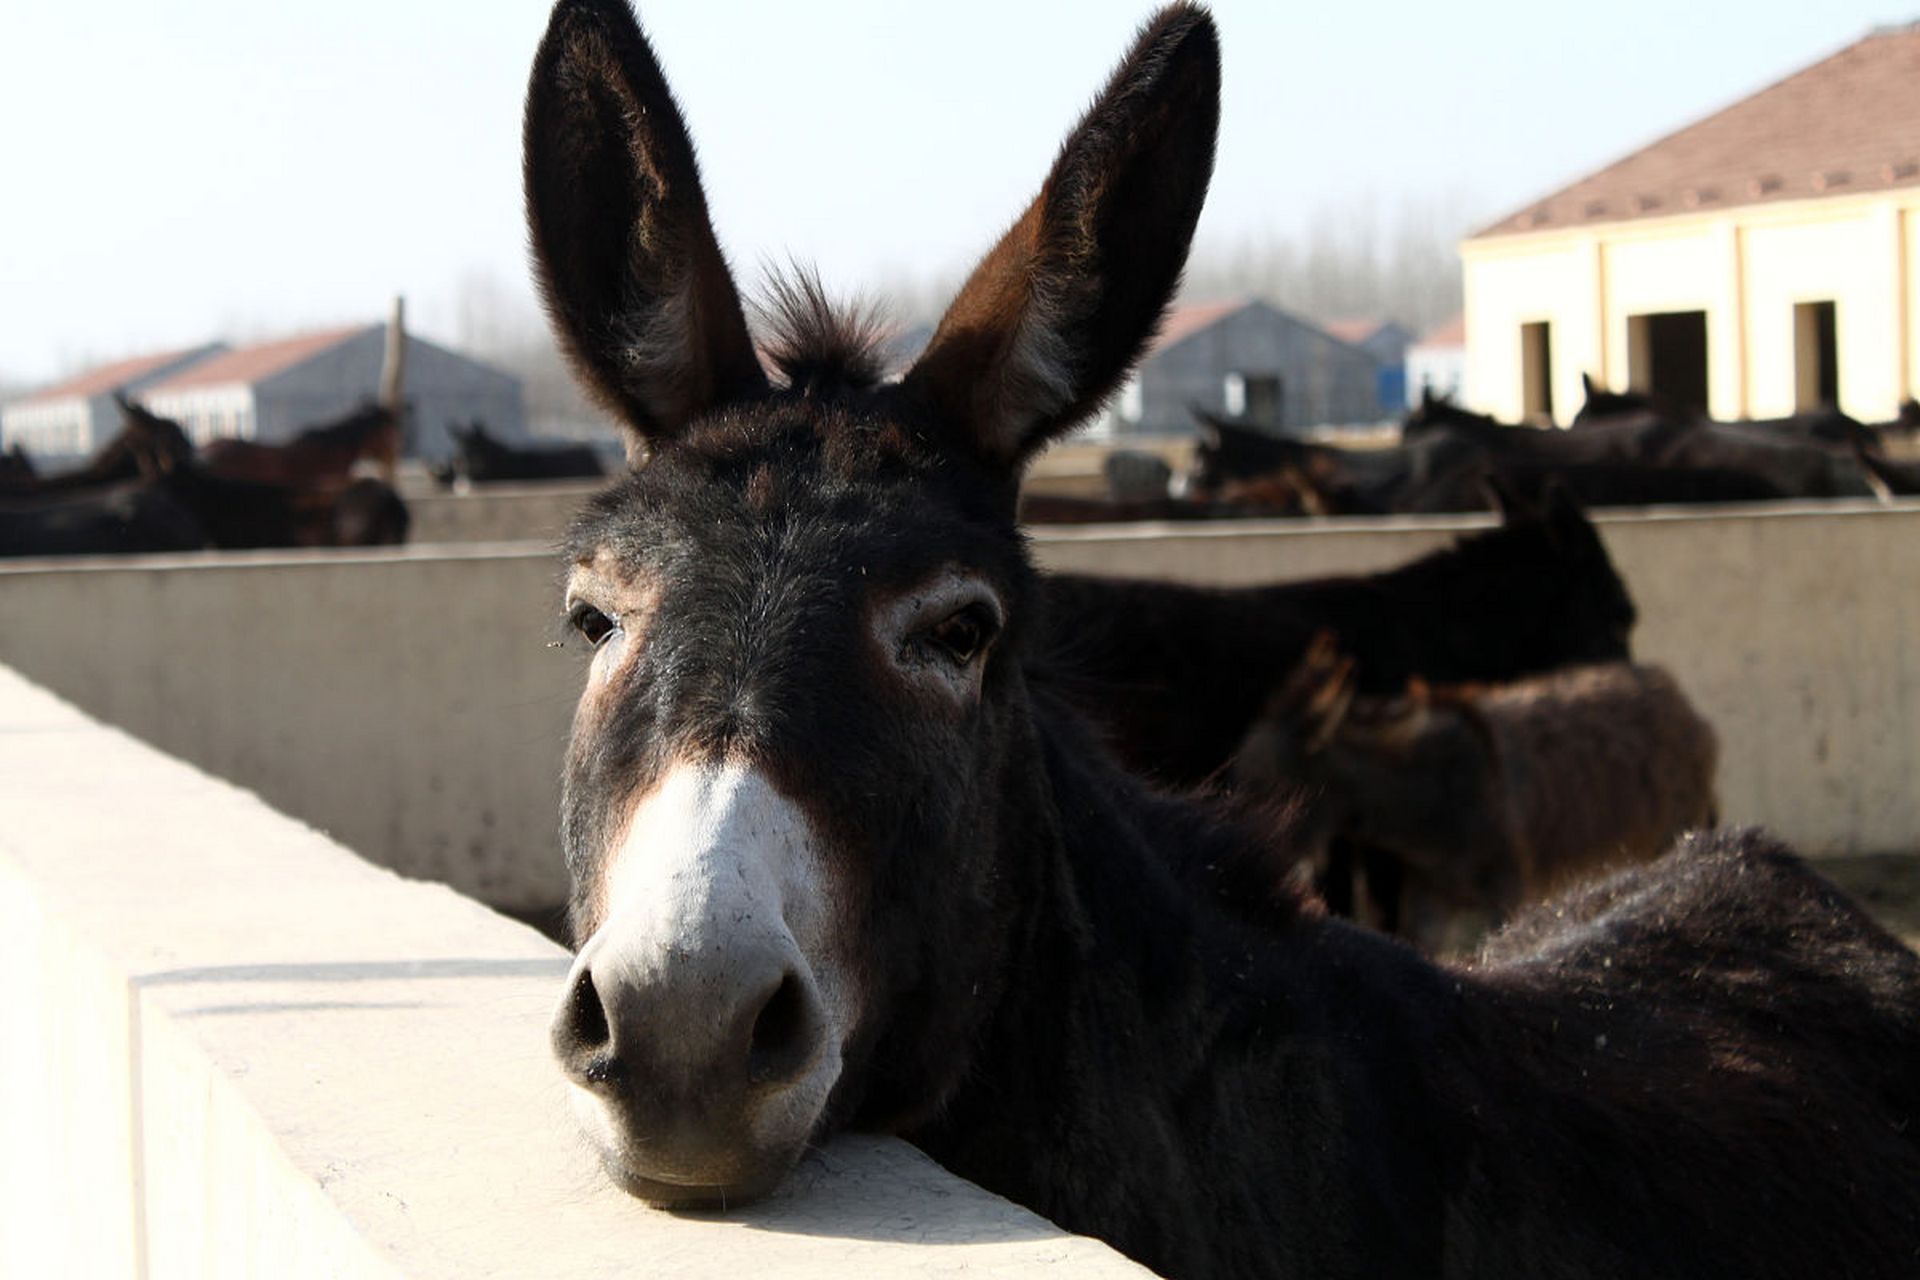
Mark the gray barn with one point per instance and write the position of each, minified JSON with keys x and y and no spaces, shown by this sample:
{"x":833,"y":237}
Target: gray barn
{"x":1244,"y":359}
{"x":272,"y":391}
{"x":73,"y":418}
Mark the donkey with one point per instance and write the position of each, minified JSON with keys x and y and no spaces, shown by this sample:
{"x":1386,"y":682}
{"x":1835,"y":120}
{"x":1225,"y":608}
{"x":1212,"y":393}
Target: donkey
{"x":481,"y":458}
{"x":17,"y":464}
{"x":841,"y":860}
{"x":319,"y":455}
{"x":146,"y":445}
{"x":1177,"y":673}
{"x":1484,"y":798}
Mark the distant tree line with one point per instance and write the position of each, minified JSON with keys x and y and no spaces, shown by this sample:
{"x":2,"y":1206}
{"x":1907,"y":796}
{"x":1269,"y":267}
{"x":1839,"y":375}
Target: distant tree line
{"x":1392,"y":263}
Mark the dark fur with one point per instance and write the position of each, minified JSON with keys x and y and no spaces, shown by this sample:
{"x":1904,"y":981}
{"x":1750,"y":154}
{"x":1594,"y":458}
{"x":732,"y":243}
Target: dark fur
{"x":15,"y":464}
{"x":1177,"y":673}
{"x":317,"y":455}
{"x":1484,"y":797}
{"x":1044,"y":1008}
{"x":479,"y":458}
{"x":146,"y":445}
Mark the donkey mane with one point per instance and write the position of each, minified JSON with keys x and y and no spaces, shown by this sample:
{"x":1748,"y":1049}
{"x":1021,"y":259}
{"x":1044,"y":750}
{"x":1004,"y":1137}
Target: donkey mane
{"x":820,"y":346}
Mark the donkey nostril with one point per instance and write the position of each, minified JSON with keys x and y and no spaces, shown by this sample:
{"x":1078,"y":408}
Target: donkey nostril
{"x":782,"y":1043}
{"x":582,"y":1038}
{"x":589,"y":1015}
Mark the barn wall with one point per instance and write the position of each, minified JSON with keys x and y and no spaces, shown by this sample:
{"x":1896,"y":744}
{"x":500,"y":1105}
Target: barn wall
{"x":1325,"y":380}
{"x":408,"y":702}
{"x":230,"y":1048}
{"x":440,"y":387}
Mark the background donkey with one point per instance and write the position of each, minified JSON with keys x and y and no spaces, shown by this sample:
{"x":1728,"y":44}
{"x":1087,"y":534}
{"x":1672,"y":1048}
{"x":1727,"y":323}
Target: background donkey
{"x":1483,"y":798}
{"x":841,"y":859}
{"x":1176,"y":673}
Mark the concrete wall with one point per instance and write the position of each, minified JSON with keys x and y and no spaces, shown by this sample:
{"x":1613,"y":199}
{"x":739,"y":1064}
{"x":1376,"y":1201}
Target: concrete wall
{"x":408,"y":702}
{"x":537,"y":512}
{"x":1745,"y":267}
{"x":229,"y":1048}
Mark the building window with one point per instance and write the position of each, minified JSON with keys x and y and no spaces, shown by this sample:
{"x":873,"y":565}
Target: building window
{"x":1667,"y":357}
{"x":1536,"y":373}
{"x":1255,"y":397}
{"x":1816,"y":356}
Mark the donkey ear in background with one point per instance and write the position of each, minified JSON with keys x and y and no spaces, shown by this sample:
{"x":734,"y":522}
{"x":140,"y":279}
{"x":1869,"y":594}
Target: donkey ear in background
{"x":1058,"y":311}
{"x":634,"y":280}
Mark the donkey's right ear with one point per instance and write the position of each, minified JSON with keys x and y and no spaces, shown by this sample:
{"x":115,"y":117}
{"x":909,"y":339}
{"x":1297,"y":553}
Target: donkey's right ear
{"x":1057,"y":312}
{"x":625,"y":255}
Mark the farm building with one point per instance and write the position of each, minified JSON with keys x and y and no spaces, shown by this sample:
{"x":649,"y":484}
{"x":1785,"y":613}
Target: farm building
{"x":272,"y":391}
{"x":1244,"y":359}
{"x":1387,"y":342}
{"x":1758,"y":262}
{"x":75,"y":417}
{"x":1437,"y":362}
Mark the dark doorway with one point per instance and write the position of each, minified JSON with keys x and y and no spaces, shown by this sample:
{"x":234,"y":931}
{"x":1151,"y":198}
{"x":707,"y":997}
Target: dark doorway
{"x":1536,"y":373}
{"x":1667,"y":356}
{"x":1816,"y":356}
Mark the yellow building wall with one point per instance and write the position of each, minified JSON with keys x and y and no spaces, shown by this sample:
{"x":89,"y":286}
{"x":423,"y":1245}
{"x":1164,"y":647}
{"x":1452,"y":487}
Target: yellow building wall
{"x":1910,"y":316}
{"x":1555,"y":284}
{"x":1851,"y":260}
{"x":1746,"y":268}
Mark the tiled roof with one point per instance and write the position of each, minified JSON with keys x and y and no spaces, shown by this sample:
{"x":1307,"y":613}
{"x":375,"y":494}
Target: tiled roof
{"x":1356,"y":331}
{"x":1451,"y":334}
{"x":1849,"y":123}
{"x":246,"y":365}
{"x":1189,"y":318}
{"x":107,"y":377}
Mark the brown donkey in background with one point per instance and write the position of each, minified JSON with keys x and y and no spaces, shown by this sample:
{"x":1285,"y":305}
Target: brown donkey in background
{"x":1471,"y":797}
{"x":841,"y":859}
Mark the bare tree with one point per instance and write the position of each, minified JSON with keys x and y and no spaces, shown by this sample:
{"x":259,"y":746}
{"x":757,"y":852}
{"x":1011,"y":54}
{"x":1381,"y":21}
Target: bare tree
{"x":1400,"y":263}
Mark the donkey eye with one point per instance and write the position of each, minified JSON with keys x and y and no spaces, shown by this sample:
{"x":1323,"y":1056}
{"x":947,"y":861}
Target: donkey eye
{"x":963,"y":636}
{"x":593,"y":625}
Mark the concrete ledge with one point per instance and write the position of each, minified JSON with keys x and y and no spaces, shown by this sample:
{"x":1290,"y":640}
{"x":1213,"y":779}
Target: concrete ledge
{"x":500,"y":513}
{"x":228,"y":1047}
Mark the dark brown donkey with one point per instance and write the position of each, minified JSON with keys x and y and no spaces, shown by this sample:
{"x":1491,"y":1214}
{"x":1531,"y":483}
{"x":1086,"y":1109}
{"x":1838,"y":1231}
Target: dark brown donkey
{"x":1483,"y":798}
{"x":1175,"y":673}
{"x":839,"y":860}
{"x":325,"y":455}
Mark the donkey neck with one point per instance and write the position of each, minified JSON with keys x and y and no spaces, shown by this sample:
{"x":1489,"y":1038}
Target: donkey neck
{"x":1147,"y":1041}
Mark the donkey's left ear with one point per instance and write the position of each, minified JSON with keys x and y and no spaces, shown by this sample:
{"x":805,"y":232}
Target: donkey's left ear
{"x":1058,"y":311}
{"x":639,"y":293}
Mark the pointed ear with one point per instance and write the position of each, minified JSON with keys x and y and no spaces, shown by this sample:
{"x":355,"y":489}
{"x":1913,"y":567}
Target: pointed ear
{"x":1206,"y":426}
{"x":633,"y":278}
{"x":1053,"y":317}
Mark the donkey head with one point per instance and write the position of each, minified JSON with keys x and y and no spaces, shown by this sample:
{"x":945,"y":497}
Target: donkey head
{"x":795,"y":792}
{"x":157,"y":445}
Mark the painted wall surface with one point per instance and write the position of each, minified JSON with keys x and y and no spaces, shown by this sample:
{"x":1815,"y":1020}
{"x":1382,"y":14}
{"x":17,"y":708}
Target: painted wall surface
{"x":1546,"y":282}
{"x":407,"y":702}
{"x":230,"y":1048}
{"x":1745,"y":267}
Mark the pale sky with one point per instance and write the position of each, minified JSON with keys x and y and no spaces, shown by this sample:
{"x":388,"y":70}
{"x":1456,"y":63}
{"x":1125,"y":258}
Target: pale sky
{"x":174,"y":171}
